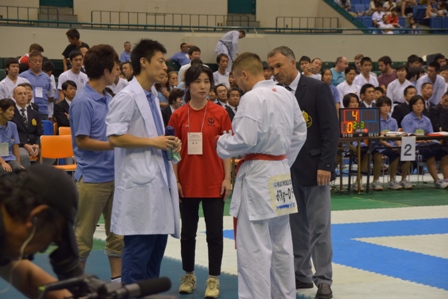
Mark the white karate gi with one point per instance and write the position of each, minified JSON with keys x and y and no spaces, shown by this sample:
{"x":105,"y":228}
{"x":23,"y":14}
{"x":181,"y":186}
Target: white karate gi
{"x":228,"y":44}
{"x":268,"y":121}
{"x":143,"y":203}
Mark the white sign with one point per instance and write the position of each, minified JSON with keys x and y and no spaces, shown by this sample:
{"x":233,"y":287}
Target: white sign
{"x":407,"y":148}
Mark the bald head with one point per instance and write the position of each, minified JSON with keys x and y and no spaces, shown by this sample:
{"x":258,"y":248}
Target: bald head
{"x":341,"y":64}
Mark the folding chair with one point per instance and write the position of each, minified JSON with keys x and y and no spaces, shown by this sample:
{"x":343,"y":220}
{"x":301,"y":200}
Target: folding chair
{"x":57,"y":147}
{"x":65,"y":131}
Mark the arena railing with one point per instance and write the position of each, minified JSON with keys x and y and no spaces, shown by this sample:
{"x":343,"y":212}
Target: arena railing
{"x":289,"y":23}
{"x":27,"y":13}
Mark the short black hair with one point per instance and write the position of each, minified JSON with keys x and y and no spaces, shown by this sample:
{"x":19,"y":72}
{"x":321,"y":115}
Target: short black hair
{"x":99,"y":58}
{"x":68,"y":83}
{"x":386,"y":60}
{"x":145,"y":48}
{"x":403,"y":67}
{"x":380,"y":89}
{"x":174,"y":94}
{"x":73,"y":33}
{"x":47,"y":66}
{"x":414,"y":100}
{"x":219,"y":85}
{"x":193,"y":49}
{"x":218,"y":58}
{"x":350,"y":68}
{"x":405,"y":91}
{"x":435,"y":65}
{"x":234,"y":89}
{"x":10,"y":61}
{"x":347,"y":97}
{"x":365,"y":59}
{"x":74,"y":53}
{"x":304,"y":58}
{"x":364,"y":88}
{"x":193,"y":72}
{"x":383,"y":100}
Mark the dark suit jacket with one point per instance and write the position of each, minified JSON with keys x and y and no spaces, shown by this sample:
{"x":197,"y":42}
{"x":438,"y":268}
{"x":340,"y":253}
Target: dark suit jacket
{"x":400,"y":111}
{"x":230,"y":112}
{"x":439,"y":117}
{"x":32,"y":133}
{"x":166,"y":114}
{"x":319,"y":151}
{"x":59,"y":114}
{"x":34,"y":107}
{"x":362,"y":105}
{"x":426,"y":111}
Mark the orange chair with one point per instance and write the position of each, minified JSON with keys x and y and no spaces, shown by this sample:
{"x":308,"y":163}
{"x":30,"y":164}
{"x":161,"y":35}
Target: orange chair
{"x":57,"y":147}
{"x":65,"y":131}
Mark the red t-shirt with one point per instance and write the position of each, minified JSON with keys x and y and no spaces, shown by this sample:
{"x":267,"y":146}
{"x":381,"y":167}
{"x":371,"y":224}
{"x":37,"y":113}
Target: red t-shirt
{"x":201,"y":176}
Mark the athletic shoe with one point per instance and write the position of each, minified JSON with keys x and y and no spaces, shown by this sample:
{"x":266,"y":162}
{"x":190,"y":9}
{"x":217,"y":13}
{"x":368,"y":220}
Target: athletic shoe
{"x":324,"y":291}
{"x":212,"y":288}
{"x":441,"y":184}
{"x":406,"y":185}
{"x":394,"y":185}
{"x":377,"y":186}
{"x":188,"y":284}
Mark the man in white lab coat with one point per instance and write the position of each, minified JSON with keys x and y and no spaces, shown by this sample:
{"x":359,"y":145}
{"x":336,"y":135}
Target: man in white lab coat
{"x":146,"y":203}
{"x":269,"y":131}
{"x":228,"y":44}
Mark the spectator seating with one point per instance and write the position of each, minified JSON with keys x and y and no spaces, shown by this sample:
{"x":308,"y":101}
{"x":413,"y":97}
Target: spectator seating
{"x":419,"y":12}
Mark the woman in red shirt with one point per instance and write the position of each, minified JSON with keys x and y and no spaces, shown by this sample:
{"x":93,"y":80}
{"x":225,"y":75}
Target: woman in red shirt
{"x":202,"y":177}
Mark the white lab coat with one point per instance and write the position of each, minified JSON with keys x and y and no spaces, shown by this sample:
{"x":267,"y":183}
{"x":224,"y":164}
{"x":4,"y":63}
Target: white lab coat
{"x":268,"y":121}
{"x":143,"y":202}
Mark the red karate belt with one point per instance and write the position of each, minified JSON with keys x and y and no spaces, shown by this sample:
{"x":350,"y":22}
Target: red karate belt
{"x":250,"y":157}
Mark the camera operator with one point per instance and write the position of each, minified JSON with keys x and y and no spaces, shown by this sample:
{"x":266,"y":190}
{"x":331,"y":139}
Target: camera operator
{"x":37,"y":208}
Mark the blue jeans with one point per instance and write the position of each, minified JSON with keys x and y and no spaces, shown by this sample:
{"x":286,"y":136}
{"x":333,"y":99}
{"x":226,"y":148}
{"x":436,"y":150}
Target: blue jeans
{"x":142,"y":257}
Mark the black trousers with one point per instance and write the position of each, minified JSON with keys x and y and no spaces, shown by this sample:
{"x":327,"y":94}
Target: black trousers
{"x":213,"y":213}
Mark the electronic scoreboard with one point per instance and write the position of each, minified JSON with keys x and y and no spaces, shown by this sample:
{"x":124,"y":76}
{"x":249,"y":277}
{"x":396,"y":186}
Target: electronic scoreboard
{"x":359,"y":122}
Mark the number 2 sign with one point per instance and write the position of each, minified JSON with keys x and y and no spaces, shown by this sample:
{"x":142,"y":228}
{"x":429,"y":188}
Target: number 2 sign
{"x":408,"y":148}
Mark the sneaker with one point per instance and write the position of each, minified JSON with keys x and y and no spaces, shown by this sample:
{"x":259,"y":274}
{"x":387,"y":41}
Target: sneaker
{"x":212,"y":288}
{"x":188,"y":284}
{"x":377,"y":186}
{"x":406,"y":185}
{"x":441,"y":184}
{"x":394,"y":185}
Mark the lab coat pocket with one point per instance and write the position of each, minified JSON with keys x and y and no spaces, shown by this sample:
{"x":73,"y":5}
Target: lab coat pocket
{"x":141,"y":169}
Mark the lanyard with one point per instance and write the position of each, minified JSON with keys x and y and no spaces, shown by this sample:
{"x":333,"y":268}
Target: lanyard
{"x":203,"y":119}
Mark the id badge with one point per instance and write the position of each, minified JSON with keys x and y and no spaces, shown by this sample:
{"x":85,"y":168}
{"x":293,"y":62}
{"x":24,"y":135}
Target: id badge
{"x":195,"y":143}
{"x":39,"y":92}
{"x":4,"y":149}
{"x":282,"y":195}
{"x":420,"y":132}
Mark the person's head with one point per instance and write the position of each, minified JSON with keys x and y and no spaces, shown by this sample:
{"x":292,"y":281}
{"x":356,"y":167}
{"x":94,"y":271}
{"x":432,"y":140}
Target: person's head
{"x":385,"y":19}
{"x":127,"y":70}
{"x":40,"y":205}
{"x":444,"y":100}
{"x":83,"y":50}
{"x":327,"y":75}
{"x":69,"y":89}
{"x":427,"y":90}
{"x":172,"y":78}
{"x":233,"y":96}
{"x":101,"y":63}
{"x":184,"y":47}
{"x":412,"y":21}
{"x":304,"y":63}
{"x":148,"y":60}
{"x":223,"y":61}
{"x":175,"y":97}
{"x":409,"y":92}
{"x":358,"y":61}
{"x":20,"y":94}
{"x":444,"y":72}
{"x":194,"y":53}
{"x":242,"y":33}
{"x":73,"y":36}
{"x":379,"y":8}
{"x":76,"y":59}
{"x":414,"y":74}
{"x":432,"y":70}
{"x":367,"y":93}
{"x":6,"y":110}
{"x":402,"y":71}
{"x":282,"y":62}
{"x":350,"y":74}
{"x":198,"y":81}
{"x":35,"y":47}
{"x":384,"y":64}
{"x":48,"y":67}
{"x":366,"y":65}
{"x":415,"y":61}
{"x":317,"y":65}
{"x":232,"y":82}
{"x":378,"y":92}
{"x":350,"y":100}
{"x":127,"y":46}
{"x":221,"y":92}
{"x":248,"y":70}
{"x":341,"y":64}
{"x":35,"y":62}
{"x":12,"y":67}
{"x":29,"y":90}
{"x":384,"y":103}
{"x":267,"y":72}
{"x":212,"y":95}
{"x":417,"y":104}
{"x":440,"y":59}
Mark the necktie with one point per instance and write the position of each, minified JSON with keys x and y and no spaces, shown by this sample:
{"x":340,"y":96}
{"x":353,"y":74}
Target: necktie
{"x":285,"y":86}
{"x":25,"y":120}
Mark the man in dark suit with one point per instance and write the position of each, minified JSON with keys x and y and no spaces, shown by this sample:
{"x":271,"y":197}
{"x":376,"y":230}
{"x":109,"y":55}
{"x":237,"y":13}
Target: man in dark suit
{"x":175,"y":100}
{"x":233,"y":100}
{"x":221,"y":93}
{"x":29,"y":90}
{"x":29,"y":126}
{"x":311,"y":174}
{"x":438,"y":114}
{"x":403,"y":109}
{"x":60,"y":113}
{"x":367,"y":95}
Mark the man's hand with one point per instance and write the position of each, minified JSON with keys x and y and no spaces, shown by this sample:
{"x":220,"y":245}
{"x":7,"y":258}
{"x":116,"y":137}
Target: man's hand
{"x":226,"y":187}
{"x":6,"y":167}
{"x":166,"y":143}
{"x":323,"y":177}
{"x":66,"y":114}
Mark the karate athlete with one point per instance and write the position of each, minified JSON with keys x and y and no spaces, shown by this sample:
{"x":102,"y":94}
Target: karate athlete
{"x":228,"y":44}
{"x":270,"y":130}
{"x":146,"y":201}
